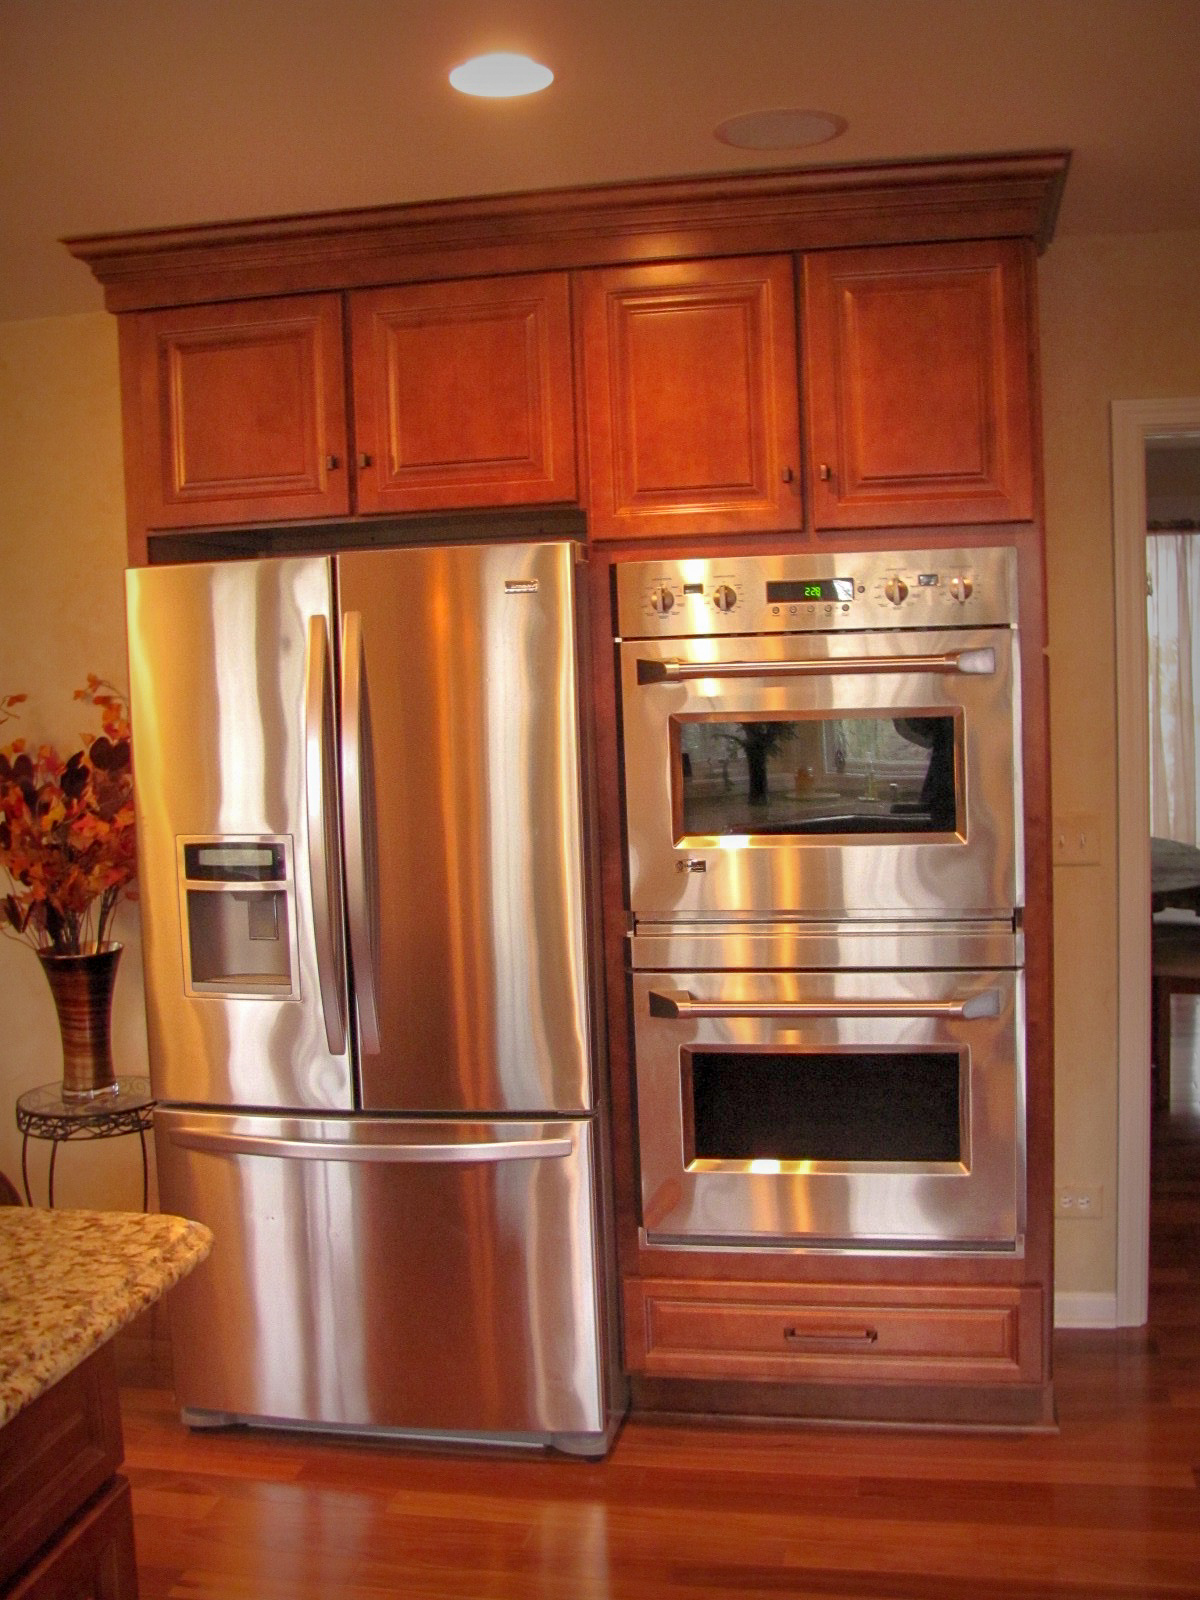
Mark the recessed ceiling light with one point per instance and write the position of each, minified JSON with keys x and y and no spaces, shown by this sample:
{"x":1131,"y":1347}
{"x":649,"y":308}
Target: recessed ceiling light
{"x":779,"y":130}
{"x":501,"y":76}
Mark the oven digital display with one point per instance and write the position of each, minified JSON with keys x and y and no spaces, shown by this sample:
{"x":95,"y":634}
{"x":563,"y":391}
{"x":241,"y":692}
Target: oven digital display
{"x":786,"y":591}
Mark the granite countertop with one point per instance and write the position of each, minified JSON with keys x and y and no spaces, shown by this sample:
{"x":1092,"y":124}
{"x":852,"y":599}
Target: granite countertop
{"x":70,"y":1279}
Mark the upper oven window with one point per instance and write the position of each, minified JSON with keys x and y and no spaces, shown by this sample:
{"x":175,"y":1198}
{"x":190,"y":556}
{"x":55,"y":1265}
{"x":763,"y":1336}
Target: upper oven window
{"x":817,"y":774}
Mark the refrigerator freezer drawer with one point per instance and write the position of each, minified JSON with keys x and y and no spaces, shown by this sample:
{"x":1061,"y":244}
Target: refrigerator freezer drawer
{"x":426,"y":1276}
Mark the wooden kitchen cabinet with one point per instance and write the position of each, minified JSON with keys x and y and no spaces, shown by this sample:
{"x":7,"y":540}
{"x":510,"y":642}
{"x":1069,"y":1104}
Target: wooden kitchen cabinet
{"x":914,"y":366}
{"x":235,"y":413}
{"x":691,"y":402}
{"x":917,"y":369}
{"x":463,"y":394}
{"x":66,"y":1526}
{"x":872,"y":1334}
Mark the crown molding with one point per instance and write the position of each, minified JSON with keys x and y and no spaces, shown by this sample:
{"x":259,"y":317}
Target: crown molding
{"x":970,"y":197}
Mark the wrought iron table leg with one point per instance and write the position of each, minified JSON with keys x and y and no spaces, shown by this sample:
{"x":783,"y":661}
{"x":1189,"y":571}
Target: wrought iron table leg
{"x":25,"y":1169}
{"x":50,"y":1184}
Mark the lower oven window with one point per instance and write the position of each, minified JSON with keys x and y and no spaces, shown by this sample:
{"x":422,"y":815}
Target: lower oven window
{"x":816,"y":775}
{"x":839,"y":1106}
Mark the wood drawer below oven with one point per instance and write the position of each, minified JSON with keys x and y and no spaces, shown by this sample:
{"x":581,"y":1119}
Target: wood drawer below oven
{"x":793,"y":1333}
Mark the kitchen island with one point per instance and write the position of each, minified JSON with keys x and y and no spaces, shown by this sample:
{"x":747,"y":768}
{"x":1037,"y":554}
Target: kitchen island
{"x":68,"y":1281}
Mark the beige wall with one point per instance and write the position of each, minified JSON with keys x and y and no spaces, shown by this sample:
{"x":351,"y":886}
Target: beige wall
{"x":62,"y":553}
{"x":1120,"y":318}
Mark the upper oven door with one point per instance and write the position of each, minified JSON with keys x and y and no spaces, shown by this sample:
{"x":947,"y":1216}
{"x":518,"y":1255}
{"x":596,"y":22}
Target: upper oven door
{"x":823,"y":775}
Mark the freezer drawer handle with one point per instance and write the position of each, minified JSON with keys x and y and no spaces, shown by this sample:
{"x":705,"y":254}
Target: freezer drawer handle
{"x":677,"y":1004}
{"x":486,"y":1150}
{"x":979,"y":663}
{"x":323,"y":860}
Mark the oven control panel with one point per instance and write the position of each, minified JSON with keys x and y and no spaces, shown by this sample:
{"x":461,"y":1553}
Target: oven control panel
{"x":817,"y":592}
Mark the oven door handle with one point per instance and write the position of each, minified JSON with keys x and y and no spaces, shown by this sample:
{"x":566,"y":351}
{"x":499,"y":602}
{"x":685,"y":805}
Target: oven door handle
{"x":977,"y":663}
{"x":678,"y":1004}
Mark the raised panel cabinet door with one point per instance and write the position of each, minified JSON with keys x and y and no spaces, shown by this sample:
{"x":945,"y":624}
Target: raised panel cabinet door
{"x":831,"y":1333}
{"x":691,"y":397}
{"x":241,"y":412}
{"x":917,"y":364}
{"x":463,"y":394}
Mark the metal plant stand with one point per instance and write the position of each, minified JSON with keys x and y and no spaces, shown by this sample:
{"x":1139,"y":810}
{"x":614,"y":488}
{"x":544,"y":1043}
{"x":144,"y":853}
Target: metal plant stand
{"x":42,"y":1113}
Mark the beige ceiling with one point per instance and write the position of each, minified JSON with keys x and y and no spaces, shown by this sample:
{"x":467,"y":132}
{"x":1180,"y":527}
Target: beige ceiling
{"x":125,"y":114}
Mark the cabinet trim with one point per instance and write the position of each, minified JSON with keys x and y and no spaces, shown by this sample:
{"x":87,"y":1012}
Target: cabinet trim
{"x":997,"y":196}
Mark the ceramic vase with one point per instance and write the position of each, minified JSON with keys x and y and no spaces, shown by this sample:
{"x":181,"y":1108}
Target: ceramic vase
{"x":82,"y":987}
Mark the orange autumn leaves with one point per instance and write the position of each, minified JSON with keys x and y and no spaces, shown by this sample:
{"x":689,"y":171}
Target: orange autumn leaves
{"x":67,"y":840}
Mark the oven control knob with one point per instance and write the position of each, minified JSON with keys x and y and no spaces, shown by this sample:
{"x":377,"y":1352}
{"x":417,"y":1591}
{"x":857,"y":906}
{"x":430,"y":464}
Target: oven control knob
{"x":724,"y":598}
{"x":896,"y":590}
{"x":662,"y":599}
{"x":960,"y":589}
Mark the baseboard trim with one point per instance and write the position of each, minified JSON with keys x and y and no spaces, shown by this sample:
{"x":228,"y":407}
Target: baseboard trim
{"x":1085,"y":1310}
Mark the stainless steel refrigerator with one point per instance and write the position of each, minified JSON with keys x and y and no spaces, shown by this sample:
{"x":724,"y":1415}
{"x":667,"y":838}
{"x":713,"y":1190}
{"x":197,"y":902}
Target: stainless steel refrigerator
{"x":373,"y":1015}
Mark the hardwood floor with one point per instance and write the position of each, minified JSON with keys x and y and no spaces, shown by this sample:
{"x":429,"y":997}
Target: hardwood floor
{"x":1107,"y":1508}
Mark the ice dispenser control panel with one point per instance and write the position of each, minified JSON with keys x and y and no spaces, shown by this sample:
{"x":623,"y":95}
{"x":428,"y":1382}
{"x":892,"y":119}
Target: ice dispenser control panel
{"x":238,"y":907}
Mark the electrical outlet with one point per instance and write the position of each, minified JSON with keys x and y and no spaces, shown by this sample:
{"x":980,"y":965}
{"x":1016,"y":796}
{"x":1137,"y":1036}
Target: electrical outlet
{"x":1079,"y":1200}
{"x":1076,"y":839}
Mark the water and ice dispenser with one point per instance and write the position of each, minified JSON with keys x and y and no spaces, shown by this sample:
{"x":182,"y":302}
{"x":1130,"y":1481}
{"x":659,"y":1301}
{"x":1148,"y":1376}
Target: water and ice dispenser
{"x":237,"y":898}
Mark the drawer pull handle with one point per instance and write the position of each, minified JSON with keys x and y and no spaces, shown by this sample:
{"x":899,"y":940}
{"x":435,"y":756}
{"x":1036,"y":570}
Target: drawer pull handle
{"x":828,"y":1336}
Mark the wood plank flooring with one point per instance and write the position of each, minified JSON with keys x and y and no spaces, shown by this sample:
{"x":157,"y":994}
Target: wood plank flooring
{"x":1107,"y":1508}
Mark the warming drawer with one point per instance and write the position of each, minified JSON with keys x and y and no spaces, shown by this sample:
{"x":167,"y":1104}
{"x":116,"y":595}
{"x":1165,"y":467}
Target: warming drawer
{"x":777,"y":1332}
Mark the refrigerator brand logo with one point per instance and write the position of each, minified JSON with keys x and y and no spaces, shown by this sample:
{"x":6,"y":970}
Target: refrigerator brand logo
{"x":520,"y":585}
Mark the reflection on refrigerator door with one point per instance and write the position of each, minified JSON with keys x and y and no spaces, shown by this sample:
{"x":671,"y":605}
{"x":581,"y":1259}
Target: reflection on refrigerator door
{"x":433,"y":1276}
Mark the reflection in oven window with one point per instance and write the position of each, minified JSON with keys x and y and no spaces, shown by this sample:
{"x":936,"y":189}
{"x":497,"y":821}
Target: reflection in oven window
{"x":818,"y":775}
{"x":825,"y":1106}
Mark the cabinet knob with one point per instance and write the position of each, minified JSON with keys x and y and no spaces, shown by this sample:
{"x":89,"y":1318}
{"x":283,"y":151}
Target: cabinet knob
{"x":789,"y":475}
{"x":366,"y":460}
{"x":824,"y":472}
{"x":332,"y":463}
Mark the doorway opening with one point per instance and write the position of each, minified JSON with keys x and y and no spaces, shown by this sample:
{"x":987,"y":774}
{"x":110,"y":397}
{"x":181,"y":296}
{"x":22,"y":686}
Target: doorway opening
{"x":1136,"y":425}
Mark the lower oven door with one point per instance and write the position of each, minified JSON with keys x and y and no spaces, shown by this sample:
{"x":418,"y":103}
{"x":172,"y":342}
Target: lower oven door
{"x":835,"y":1110}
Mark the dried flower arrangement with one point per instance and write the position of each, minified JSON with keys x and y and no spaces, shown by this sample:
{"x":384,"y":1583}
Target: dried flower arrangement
{"x":67,"y":841}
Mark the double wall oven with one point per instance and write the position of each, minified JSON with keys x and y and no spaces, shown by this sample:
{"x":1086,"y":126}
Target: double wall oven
{"x":823,"y":818}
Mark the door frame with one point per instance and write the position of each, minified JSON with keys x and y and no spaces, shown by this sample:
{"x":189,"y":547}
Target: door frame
{"x":1134,"y":424}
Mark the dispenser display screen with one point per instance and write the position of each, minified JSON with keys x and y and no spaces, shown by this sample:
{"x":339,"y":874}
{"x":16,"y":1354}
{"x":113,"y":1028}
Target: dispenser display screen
{"x":787,"y":591}
{"x":234,"y":862}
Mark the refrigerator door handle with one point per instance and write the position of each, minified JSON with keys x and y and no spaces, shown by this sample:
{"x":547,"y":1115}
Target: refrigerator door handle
{"x":359,"y":825}
{"x":323,"y":861}
{"x":485,"y":1150}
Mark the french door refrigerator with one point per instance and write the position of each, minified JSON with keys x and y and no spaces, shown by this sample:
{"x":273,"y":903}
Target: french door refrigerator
{"x":372,"y":1011}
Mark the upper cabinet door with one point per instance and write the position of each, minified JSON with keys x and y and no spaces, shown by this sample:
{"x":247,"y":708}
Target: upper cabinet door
{"x":463,"y":394}
{"x":917,"y":385}
{"x":240,"y":412}
{"x":691,"y":397}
